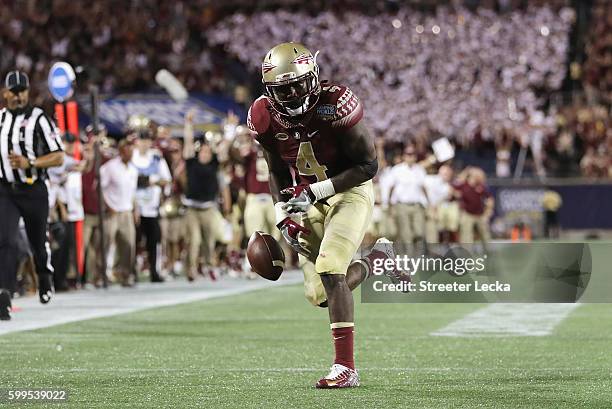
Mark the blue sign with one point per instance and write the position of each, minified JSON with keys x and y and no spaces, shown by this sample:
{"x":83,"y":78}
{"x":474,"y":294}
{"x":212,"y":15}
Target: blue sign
{"x":114,"y":110}
{"x":60,"y":81}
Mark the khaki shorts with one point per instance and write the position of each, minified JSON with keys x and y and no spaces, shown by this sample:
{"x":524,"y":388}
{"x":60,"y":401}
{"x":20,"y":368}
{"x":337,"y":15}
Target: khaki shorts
{"x":175,"y":229}
{"x":337,"y":230}
{"x":448,"y":216}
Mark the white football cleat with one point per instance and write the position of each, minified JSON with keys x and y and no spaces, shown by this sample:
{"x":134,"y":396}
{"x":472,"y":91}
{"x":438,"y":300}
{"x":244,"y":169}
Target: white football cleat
{"x":384,"y":249}
{"x":386,"y":246}
{"x":339,"y":376}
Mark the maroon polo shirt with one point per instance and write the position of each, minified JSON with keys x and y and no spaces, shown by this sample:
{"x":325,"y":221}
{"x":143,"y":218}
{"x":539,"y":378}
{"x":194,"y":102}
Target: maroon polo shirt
{"x":472,"y":198}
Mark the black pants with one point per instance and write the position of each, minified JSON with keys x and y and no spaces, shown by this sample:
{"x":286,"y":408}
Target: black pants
{"x":63,"y":255}
{"x":32,"y":203}
{"x":149,"y":227}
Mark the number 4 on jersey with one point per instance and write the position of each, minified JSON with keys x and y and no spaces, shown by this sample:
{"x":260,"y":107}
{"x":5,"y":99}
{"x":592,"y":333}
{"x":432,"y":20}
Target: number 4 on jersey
{"x":307,"y":164}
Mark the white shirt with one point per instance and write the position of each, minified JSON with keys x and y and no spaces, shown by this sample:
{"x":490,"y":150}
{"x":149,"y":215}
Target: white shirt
{"x":74,"y":197}
{"x":119,"y":181}
{"x":58,"y":176}
{"x":438,"y":191}
{"x":407,"y":182}
{"x":151,"y":164}
{"x":385,"y":181}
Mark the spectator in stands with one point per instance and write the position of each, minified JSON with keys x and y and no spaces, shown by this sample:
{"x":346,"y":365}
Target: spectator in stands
{"x":598,"y":65}
{"x":414,"y":68}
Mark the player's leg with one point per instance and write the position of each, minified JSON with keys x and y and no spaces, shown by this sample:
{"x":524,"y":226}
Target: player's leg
{"x":313,"y":286}
{"x":466,"y":228}
{"x":484,"y":231}
{"x":361,"y":269}
{"x":403,"y":223}
{"x":35,"y":219}
{"x":209,"y":235}
{"x":431,"y":225}
{"x":194,"y":233}
{"x":126,"y":246}
{"x":9,"y":230}
{"x":346,"y":220}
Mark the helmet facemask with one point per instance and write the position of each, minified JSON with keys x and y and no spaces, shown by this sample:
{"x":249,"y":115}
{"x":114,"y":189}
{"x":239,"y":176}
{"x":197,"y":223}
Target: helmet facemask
{"x":295,"y":96}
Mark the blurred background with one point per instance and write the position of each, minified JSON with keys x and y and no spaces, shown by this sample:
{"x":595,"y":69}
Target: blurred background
{"x":521,"y":90}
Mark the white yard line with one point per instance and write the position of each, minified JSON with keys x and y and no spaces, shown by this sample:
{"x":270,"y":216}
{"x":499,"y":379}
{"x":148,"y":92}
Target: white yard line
{"x":503,"y":320}
{"x":88,"y":304}
{"x":191,"y":371}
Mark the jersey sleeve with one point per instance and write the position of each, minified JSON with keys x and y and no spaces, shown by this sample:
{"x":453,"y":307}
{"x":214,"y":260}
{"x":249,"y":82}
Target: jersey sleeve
{"x":258,"y":118}
{"x":48,"y":135}
{"x":349,"y":109}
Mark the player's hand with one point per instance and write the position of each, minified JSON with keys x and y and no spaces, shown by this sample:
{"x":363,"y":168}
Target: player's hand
{"x":18,"y":161}
{"x":301,"y":199}
{"x":291,"y":232}
{"x":189,"y":116}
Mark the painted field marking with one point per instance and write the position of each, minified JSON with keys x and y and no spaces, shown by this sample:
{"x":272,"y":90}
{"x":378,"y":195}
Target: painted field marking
{"x":88,"y":304}
{"x":504,"y":320}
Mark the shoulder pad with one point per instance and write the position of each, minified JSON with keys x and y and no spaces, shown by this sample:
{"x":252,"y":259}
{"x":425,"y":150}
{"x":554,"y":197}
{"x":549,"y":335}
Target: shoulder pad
{"x":258,"y":118}
{"x":346,"y":107}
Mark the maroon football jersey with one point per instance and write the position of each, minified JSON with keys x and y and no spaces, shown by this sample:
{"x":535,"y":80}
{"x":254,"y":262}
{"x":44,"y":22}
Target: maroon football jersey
{"x":257,"y":173}
{"x":311,"y":145}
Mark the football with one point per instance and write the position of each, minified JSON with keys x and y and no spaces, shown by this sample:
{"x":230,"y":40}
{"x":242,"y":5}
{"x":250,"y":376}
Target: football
{"x":265,"y":256}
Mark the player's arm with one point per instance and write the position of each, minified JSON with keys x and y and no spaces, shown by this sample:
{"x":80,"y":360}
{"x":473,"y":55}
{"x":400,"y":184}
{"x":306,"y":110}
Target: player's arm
{"x":279,"y":174}
{"x":188,"y":144}
{"x":359,"y":146}
{"x":280,"y":177}
{"x":47,"y":138}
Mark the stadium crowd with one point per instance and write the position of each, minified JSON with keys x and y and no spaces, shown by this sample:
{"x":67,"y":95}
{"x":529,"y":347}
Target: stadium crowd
{"x":598,"y":65}
{"x":427,"y":75}
{"x":421,"y":70}
{"x":449,"y":72}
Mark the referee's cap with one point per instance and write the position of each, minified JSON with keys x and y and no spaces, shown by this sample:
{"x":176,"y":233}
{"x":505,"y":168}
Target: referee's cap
{"x":16,"y":81}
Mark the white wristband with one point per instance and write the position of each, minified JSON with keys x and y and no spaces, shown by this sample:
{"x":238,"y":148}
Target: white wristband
{"x":280,"y":213}
{"x":323,"y":189}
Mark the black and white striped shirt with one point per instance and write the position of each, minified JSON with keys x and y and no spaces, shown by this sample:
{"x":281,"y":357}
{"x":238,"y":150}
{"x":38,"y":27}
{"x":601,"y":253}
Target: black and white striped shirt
{"x":29,"y":133}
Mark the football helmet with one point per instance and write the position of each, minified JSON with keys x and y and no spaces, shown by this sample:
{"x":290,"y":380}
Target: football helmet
{"x":291,"y":78}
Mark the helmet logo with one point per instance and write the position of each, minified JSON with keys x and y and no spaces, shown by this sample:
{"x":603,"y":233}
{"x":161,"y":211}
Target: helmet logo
{"x":267,"y":67}
{"x":303,"y":59}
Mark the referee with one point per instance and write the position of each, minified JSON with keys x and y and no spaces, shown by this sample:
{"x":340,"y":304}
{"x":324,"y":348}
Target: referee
{"x":29,"y":143}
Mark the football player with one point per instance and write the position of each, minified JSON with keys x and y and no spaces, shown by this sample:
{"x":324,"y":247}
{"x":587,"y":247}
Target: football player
{"x":322,"y":160}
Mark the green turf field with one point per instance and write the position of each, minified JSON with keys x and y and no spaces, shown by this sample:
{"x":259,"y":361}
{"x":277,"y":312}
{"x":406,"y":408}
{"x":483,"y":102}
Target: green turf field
{"x":266,"y":349}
